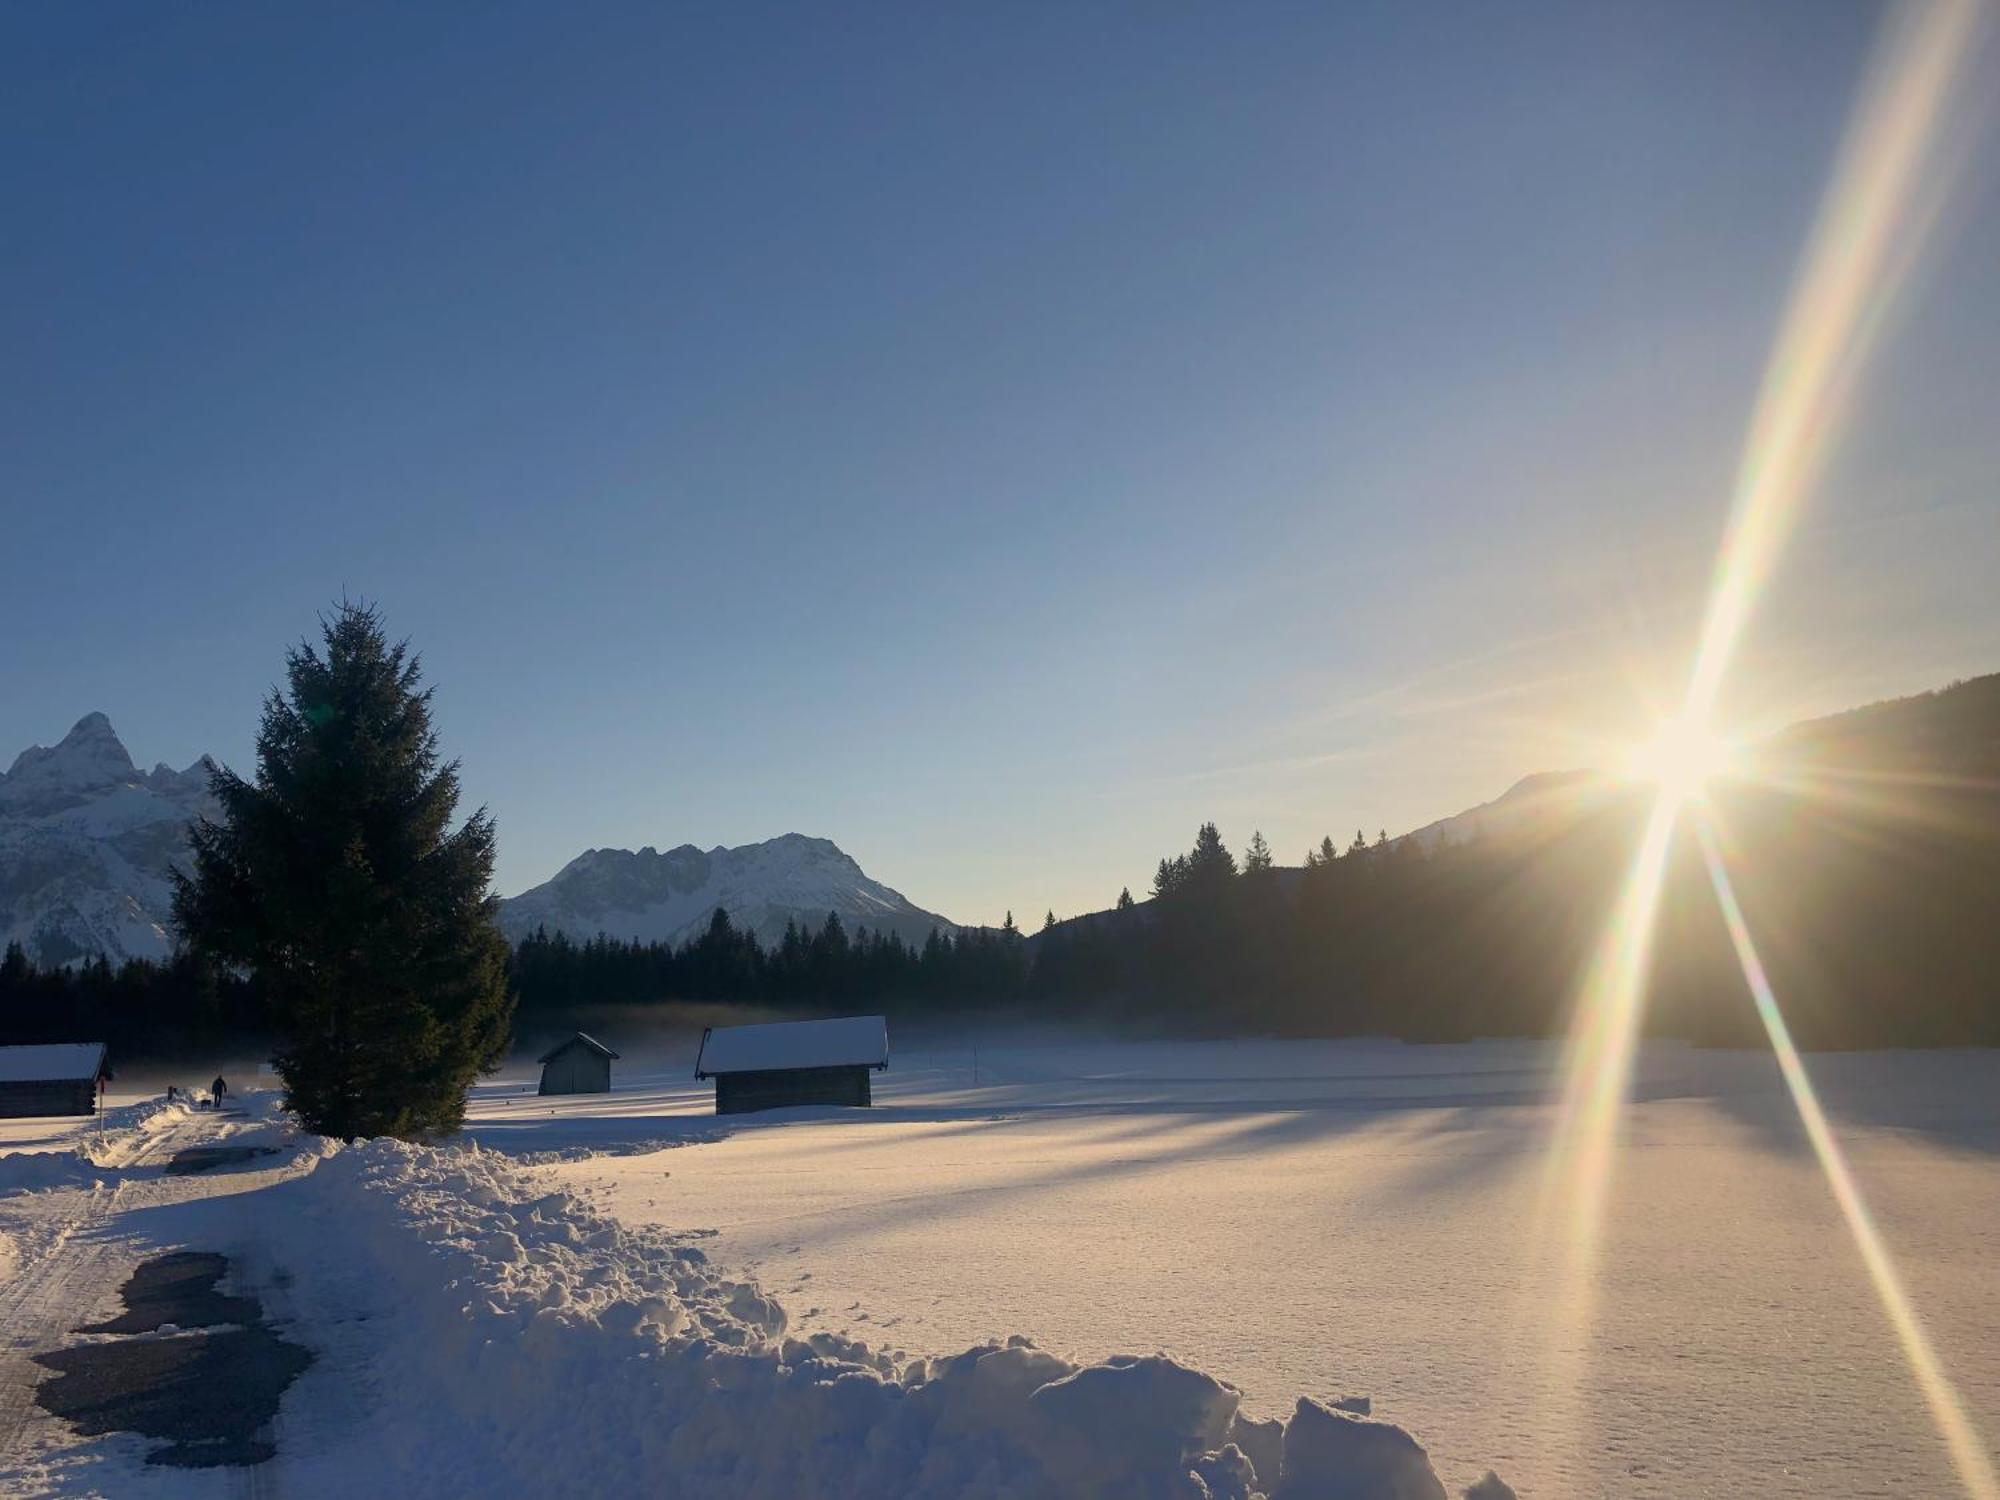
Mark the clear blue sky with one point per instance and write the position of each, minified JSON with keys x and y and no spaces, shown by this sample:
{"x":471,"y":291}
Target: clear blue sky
{"x":993,"y":437}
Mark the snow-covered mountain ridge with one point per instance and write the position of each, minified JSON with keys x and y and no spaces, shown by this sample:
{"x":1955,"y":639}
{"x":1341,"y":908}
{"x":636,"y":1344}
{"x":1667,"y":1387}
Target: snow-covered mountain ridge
{"x":653,"y":896}
{"x":86,"y":843}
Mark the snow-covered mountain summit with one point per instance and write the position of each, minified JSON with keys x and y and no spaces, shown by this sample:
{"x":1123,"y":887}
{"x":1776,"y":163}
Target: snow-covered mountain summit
{"x":653,"y":896}
{"x":86,"y":841}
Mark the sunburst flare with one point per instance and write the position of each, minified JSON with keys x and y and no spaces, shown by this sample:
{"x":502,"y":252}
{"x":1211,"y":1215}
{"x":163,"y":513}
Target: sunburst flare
{"x":1881,"y":202}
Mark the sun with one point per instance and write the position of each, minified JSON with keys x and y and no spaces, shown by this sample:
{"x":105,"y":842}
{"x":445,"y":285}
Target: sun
{"x":1682,"y":758}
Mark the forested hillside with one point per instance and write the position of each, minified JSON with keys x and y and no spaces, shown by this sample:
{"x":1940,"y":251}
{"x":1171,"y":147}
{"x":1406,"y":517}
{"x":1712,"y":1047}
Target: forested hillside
{"x":1865,"y":848}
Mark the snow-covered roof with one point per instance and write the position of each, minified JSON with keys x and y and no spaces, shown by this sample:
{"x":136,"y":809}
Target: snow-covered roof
{"x":845,"y":1041}
{"x":581,"y":1039}
{"x":51,"y":1062}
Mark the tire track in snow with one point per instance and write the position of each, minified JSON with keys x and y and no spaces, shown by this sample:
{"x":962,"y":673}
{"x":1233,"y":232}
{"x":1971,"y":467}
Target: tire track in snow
{"x":45,"y":1299}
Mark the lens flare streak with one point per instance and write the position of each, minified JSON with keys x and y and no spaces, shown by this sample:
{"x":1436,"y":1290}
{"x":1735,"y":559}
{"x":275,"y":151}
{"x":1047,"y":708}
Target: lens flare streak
{"x":1597,"y":1073}
{"x":1596,"y":1078}
{"x":1870,"y":231}
{"x":1880,"y":204}
{"x":1968,"y":1454}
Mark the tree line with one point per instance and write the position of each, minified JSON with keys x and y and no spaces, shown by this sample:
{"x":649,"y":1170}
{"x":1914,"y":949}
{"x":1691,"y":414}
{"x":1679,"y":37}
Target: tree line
{"x":1426,"y":941}
{"x":1878,"y":924}
{"x":339,"y":910}
{"x":1486,"y":937}
{"x":183,"y":1006}
{"x":817,"y":968}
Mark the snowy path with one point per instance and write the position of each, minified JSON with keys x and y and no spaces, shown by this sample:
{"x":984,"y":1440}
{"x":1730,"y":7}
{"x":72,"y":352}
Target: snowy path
{"x":1326,"y":1218}
{"x":65,"y":1262}
{"x":75,"y":1227}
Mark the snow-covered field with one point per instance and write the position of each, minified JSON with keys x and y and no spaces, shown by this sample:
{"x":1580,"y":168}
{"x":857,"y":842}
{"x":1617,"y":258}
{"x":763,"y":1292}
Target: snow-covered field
{"x":622,"y":1293}
{"x":1329,"y":1218}
{"x":473,"y":1330}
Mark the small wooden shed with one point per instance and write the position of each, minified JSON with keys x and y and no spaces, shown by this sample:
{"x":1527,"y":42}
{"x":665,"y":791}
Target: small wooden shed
{"x":785,"y":1063}
{"x":52,"y":1078}
{"x":581,"y":1065}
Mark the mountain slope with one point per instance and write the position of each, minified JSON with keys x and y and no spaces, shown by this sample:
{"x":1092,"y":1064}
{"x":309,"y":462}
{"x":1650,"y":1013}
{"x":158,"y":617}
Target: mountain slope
{"x":651,"y":896}
{"x":86,"y":841}
{"x":1521,"y":804}
{"x":1933,"y":741}
{"x":1953,"y":732}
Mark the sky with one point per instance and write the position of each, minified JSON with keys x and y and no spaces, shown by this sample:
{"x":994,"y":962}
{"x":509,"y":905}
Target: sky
{"x":994,"y":438}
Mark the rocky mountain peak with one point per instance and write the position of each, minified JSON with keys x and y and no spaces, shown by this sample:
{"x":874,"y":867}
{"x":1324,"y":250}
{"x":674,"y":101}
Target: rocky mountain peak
{"x":86,"y":844}
{"x":650,"y":895}
{"x":91,"y":751}
{"x":87,"y":761}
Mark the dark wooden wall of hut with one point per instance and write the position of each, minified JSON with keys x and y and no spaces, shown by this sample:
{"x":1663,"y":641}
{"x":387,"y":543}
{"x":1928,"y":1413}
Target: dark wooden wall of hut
{"x":576,"y":1070}
{"x":782,"y":1088}
{"x":48,"y":1097}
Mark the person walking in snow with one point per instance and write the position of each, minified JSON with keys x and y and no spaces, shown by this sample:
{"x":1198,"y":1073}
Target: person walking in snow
{"x":217,"y":1090}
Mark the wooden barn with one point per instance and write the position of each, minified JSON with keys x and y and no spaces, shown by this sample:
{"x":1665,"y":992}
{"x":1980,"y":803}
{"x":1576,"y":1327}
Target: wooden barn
{"x":783,"y":1063}
{"x":53,"y":1078}
{"x":581,"y":1065}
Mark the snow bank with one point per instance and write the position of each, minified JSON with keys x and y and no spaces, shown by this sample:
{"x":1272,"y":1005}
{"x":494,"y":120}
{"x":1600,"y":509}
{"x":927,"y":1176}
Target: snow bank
{"x":91,"y":1153}
{"x":129,"y":1128}
{"x":32,"y":1171}
{"x":520,"y":1340}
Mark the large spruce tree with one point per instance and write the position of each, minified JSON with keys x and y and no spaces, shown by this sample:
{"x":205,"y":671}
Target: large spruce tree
{"x":337,"y":877}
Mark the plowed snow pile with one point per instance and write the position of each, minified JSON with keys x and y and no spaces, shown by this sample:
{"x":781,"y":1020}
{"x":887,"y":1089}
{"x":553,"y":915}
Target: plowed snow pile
{"x":522,"y":1342}
{"x":75,"y":1151}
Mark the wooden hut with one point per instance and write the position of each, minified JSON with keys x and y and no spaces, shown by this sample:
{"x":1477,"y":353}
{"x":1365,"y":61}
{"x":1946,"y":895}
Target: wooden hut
{"x":784,"y":1063}
{"x":581,"y":1065}
{"x":53,"y":1078}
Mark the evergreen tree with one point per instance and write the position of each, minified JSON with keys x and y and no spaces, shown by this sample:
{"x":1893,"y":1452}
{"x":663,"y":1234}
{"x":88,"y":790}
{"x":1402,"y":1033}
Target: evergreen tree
{"x":936,"y":946}
{"x":17,"y":996}
{"x":1257,"y":857}
{"x":1050,"y":920}
{"x":1209,"y":863}
{"x":1125,"y":899}
{"x":336,"y":878}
